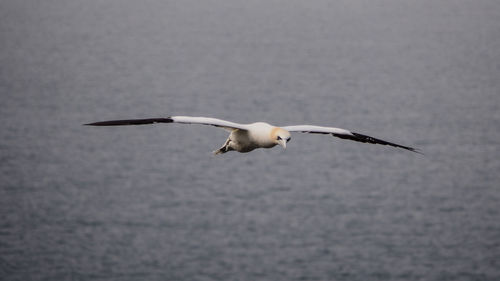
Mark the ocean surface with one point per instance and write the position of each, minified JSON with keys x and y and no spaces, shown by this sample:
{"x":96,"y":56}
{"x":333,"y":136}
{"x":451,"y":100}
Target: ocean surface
{"x":153,"y":203}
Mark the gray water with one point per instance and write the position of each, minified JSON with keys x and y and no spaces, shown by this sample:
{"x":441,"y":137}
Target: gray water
{"x":153,"y":203}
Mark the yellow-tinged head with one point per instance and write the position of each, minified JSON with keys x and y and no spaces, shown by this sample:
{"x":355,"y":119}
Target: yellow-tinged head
{"x":280,"y":136}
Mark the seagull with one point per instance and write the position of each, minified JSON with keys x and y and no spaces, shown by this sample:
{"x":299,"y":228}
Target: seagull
{"x":247,"y":137}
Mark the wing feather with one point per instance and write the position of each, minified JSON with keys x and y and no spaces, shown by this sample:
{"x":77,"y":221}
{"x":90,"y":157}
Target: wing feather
{"x":131,"y":122}
{"x":174,"y":119}
{"x":209,"y":121}
{"x":344,"y":134}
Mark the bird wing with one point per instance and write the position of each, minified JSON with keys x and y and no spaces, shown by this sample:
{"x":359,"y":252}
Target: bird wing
{"x":210,"y":121}
{"x":175,"y":119}
{"x":344,"y":134}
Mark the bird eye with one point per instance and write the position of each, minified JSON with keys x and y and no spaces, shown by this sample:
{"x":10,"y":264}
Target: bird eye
{"x":279,"y":138}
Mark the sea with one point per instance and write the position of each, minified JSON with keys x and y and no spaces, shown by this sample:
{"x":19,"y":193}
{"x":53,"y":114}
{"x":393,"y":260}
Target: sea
{"x":152,"y":202}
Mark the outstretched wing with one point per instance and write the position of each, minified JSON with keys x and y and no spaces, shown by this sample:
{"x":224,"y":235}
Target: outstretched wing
{"x":174,"y":119}
{"x":344,"y":134}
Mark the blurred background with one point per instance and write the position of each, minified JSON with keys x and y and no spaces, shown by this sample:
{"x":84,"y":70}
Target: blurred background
{"x":153,"y":203}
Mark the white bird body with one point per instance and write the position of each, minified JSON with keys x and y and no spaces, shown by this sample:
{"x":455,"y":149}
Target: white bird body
{"x":257,"y":135}
{"x":247,"y":137}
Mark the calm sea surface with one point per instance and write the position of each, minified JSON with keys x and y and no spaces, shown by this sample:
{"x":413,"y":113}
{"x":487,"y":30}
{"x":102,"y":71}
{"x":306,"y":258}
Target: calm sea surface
{"x":153,"y":203}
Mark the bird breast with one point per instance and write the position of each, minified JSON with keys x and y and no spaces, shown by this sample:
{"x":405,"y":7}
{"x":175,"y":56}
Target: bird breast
{"x":260,"y":133}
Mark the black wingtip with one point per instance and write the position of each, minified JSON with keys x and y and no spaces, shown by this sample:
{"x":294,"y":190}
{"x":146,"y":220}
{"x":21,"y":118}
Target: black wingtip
{"x":416,"y":150}
{"x":367,"y":139}
{"x":131,"y":122}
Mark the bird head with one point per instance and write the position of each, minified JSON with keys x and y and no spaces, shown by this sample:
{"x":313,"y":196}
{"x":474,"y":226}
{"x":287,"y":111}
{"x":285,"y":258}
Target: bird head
{"x":280,"y":136}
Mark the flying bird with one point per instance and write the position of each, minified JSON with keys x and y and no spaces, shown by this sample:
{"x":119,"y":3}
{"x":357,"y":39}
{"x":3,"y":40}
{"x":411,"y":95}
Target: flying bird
{"x":247,"y":137}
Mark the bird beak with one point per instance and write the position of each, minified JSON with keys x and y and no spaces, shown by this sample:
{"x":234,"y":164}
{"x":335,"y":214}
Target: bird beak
{"x":282,"y":143}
